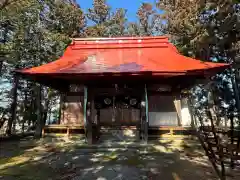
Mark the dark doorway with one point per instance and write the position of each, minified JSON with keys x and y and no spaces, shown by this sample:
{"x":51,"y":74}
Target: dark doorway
{"x":118,"y":110}
{"x":119,"y":116}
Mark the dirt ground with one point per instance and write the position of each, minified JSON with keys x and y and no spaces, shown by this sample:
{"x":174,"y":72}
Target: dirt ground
{"x":60,"y":158}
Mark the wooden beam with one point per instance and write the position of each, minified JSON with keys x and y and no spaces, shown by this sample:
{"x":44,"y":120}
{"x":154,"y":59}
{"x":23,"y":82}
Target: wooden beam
{"x":175,"y":128}
{"x":59,"y":126}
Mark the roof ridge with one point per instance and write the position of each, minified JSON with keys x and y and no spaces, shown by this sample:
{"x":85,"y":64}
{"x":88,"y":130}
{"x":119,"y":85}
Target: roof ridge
{"x":123,"y":37}
{"x":120,"y":42}
{"x":120,"y":38}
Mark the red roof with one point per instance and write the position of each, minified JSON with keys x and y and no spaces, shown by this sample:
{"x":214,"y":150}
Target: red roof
{"x":135,"y":55}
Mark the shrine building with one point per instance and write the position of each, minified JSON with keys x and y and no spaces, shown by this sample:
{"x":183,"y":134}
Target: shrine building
{"x":122,"y":83}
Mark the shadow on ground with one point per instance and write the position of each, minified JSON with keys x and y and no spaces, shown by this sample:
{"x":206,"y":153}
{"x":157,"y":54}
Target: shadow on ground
{"x":71,"y":159}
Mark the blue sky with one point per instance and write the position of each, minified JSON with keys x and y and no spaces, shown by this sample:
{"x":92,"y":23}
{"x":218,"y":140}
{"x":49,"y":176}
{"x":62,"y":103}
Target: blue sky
{"x":130,"y":5}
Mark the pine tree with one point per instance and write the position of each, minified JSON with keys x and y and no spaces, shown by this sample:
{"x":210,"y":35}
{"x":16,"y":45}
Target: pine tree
{"x":148,"y":24}
{"x":105,"y":22}
{"x":35,"y":32}
{"x":209,"y":30}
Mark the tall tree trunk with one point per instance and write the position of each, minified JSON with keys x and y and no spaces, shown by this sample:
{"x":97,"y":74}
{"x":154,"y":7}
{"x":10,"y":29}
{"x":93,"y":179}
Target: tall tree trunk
{"x":30,"y":119}
{"x":30,"y":87}
{"x":1,"y":65}
{"x":236,"y":93}
{"x":2,"y":118}
{"x":45,"y":111}
{"x":231,"y":135}
{"x":237,"y":98}
{"x":47,"y":105}
{"x":23,"y":126}
{"x":60,"y":108}
{"x":39,"y":123}
{"x":25,"y":113}
{"x":50,"y":113}
{"x":13,"y":106}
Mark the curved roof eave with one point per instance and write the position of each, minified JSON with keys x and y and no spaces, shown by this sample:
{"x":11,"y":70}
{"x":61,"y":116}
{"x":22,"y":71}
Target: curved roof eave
{"x":136,"y":55}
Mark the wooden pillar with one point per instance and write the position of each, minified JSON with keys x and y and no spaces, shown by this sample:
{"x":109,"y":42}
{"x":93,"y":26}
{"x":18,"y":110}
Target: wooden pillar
{"x":142,"y":114}
{"x":85,"y":112}
{"x":93,"y":119}
{"x":68,"y":133}
{"x":90,"y":117}
{"x":177,"y":104}
{"x":171,"y":132}
{"x":98,"y":124}
{"x":147,"y":116}
{"x":138,"y":127}
{"x":43,"y":133}
{"x":142,"y":117}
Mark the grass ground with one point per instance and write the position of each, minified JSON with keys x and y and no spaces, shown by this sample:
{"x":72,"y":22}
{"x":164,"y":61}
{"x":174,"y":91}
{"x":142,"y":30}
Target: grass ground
{"x":60,"y":158}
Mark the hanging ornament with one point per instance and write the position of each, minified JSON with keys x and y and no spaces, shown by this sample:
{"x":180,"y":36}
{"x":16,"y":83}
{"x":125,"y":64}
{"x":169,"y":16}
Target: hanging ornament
{"x":107,"y":101}
{"x":143,"y":103}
